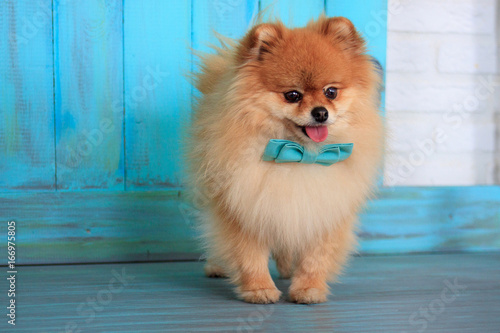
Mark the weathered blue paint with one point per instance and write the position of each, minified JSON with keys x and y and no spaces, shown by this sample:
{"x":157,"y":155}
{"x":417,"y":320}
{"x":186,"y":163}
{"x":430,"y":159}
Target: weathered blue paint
{"x":80,"y":47}
{"x":104,"y":226}
{"x":433,"y":219}
{"x":157,"y":91}
{"x":226,"y":17}
{"x":26,"y":96}
{"x":88,"y":53}
{"x":292,"y":12}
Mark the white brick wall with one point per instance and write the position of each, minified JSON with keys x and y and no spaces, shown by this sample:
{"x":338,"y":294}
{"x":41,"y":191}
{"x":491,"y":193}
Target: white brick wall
{"x":442,"y":93}
{"x":442,"y":16}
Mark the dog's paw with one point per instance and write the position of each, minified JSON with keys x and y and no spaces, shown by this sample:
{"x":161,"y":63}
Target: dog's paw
{"x":214,"y":271}
{"x":308,"y":295}
{"x":261,"y":296}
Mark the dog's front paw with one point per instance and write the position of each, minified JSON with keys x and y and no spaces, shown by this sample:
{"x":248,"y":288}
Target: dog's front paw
{"x":308,"y":295}
{"x":261,"y":296}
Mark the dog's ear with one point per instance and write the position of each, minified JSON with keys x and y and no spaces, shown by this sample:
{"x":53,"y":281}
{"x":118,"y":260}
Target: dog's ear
{"x":342,"y":32}
{"x":259,"y":41}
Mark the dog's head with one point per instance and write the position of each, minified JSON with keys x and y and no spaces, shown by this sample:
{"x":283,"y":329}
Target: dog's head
{"x":309,"y":77}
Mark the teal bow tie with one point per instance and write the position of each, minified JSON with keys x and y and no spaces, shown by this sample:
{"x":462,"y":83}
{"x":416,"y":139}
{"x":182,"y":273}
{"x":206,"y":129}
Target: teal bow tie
{"x":283,"y":151}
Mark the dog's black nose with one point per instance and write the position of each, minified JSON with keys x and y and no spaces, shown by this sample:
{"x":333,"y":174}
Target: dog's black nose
{"x":320,"y":114}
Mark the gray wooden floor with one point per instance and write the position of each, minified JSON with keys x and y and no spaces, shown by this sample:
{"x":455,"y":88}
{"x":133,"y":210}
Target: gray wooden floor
{"x":421,"y":293}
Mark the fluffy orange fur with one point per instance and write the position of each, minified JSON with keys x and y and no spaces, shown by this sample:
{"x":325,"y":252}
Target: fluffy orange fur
{"x":304,"y":215}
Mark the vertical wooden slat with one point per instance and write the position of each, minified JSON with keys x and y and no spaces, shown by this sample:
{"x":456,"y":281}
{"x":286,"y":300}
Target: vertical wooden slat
{"x":369,"y":17}
{"x":88,"y":49}
{"x":229,"y":18}
{"x":26,"y":95}
{"x":294,"y":13}
{"x":157,"y":91}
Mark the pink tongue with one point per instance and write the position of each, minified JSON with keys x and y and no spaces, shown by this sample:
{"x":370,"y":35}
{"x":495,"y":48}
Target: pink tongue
{"x":317,"y":133}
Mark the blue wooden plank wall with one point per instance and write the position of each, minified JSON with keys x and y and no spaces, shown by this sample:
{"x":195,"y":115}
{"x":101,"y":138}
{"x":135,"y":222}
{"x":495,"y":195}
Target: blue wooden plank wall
{"x":90,"y":226}
{"x":93,"y":98}
{"x":230,"y":18}
{"x":157,"y":93}
{"x":27,"y":158}
{"x":95,"y":93}
{"x":88,"y":75}
{"x":293,"y":12}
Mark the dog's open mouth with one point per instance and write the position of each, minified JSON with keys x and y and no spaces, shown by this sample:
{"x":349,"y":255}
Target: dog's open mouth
{"x":315,"y":133}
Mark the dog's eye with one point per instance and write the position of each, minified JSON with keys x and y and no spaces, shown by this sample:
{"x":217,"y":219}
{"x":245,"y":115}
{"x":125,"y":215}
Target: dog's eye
{"x":293,"y":96}
{"x":331,"y":92}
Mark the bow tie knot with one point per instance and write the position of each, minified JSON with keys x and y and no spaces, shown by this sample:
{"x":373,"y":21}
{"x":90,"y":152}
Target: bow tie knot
{"x":284,"y":151}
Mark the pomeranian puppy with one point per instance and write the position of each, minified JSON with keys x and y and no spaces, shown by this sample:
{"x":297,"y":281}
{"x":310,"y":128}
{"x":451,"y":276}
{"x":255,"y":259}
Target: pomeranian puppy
{"x":285,"y":148}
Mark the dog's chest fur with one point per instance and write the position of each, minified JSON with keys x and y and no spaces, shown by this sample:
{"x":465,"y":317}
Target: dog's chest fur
{"x":290,"y":203}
